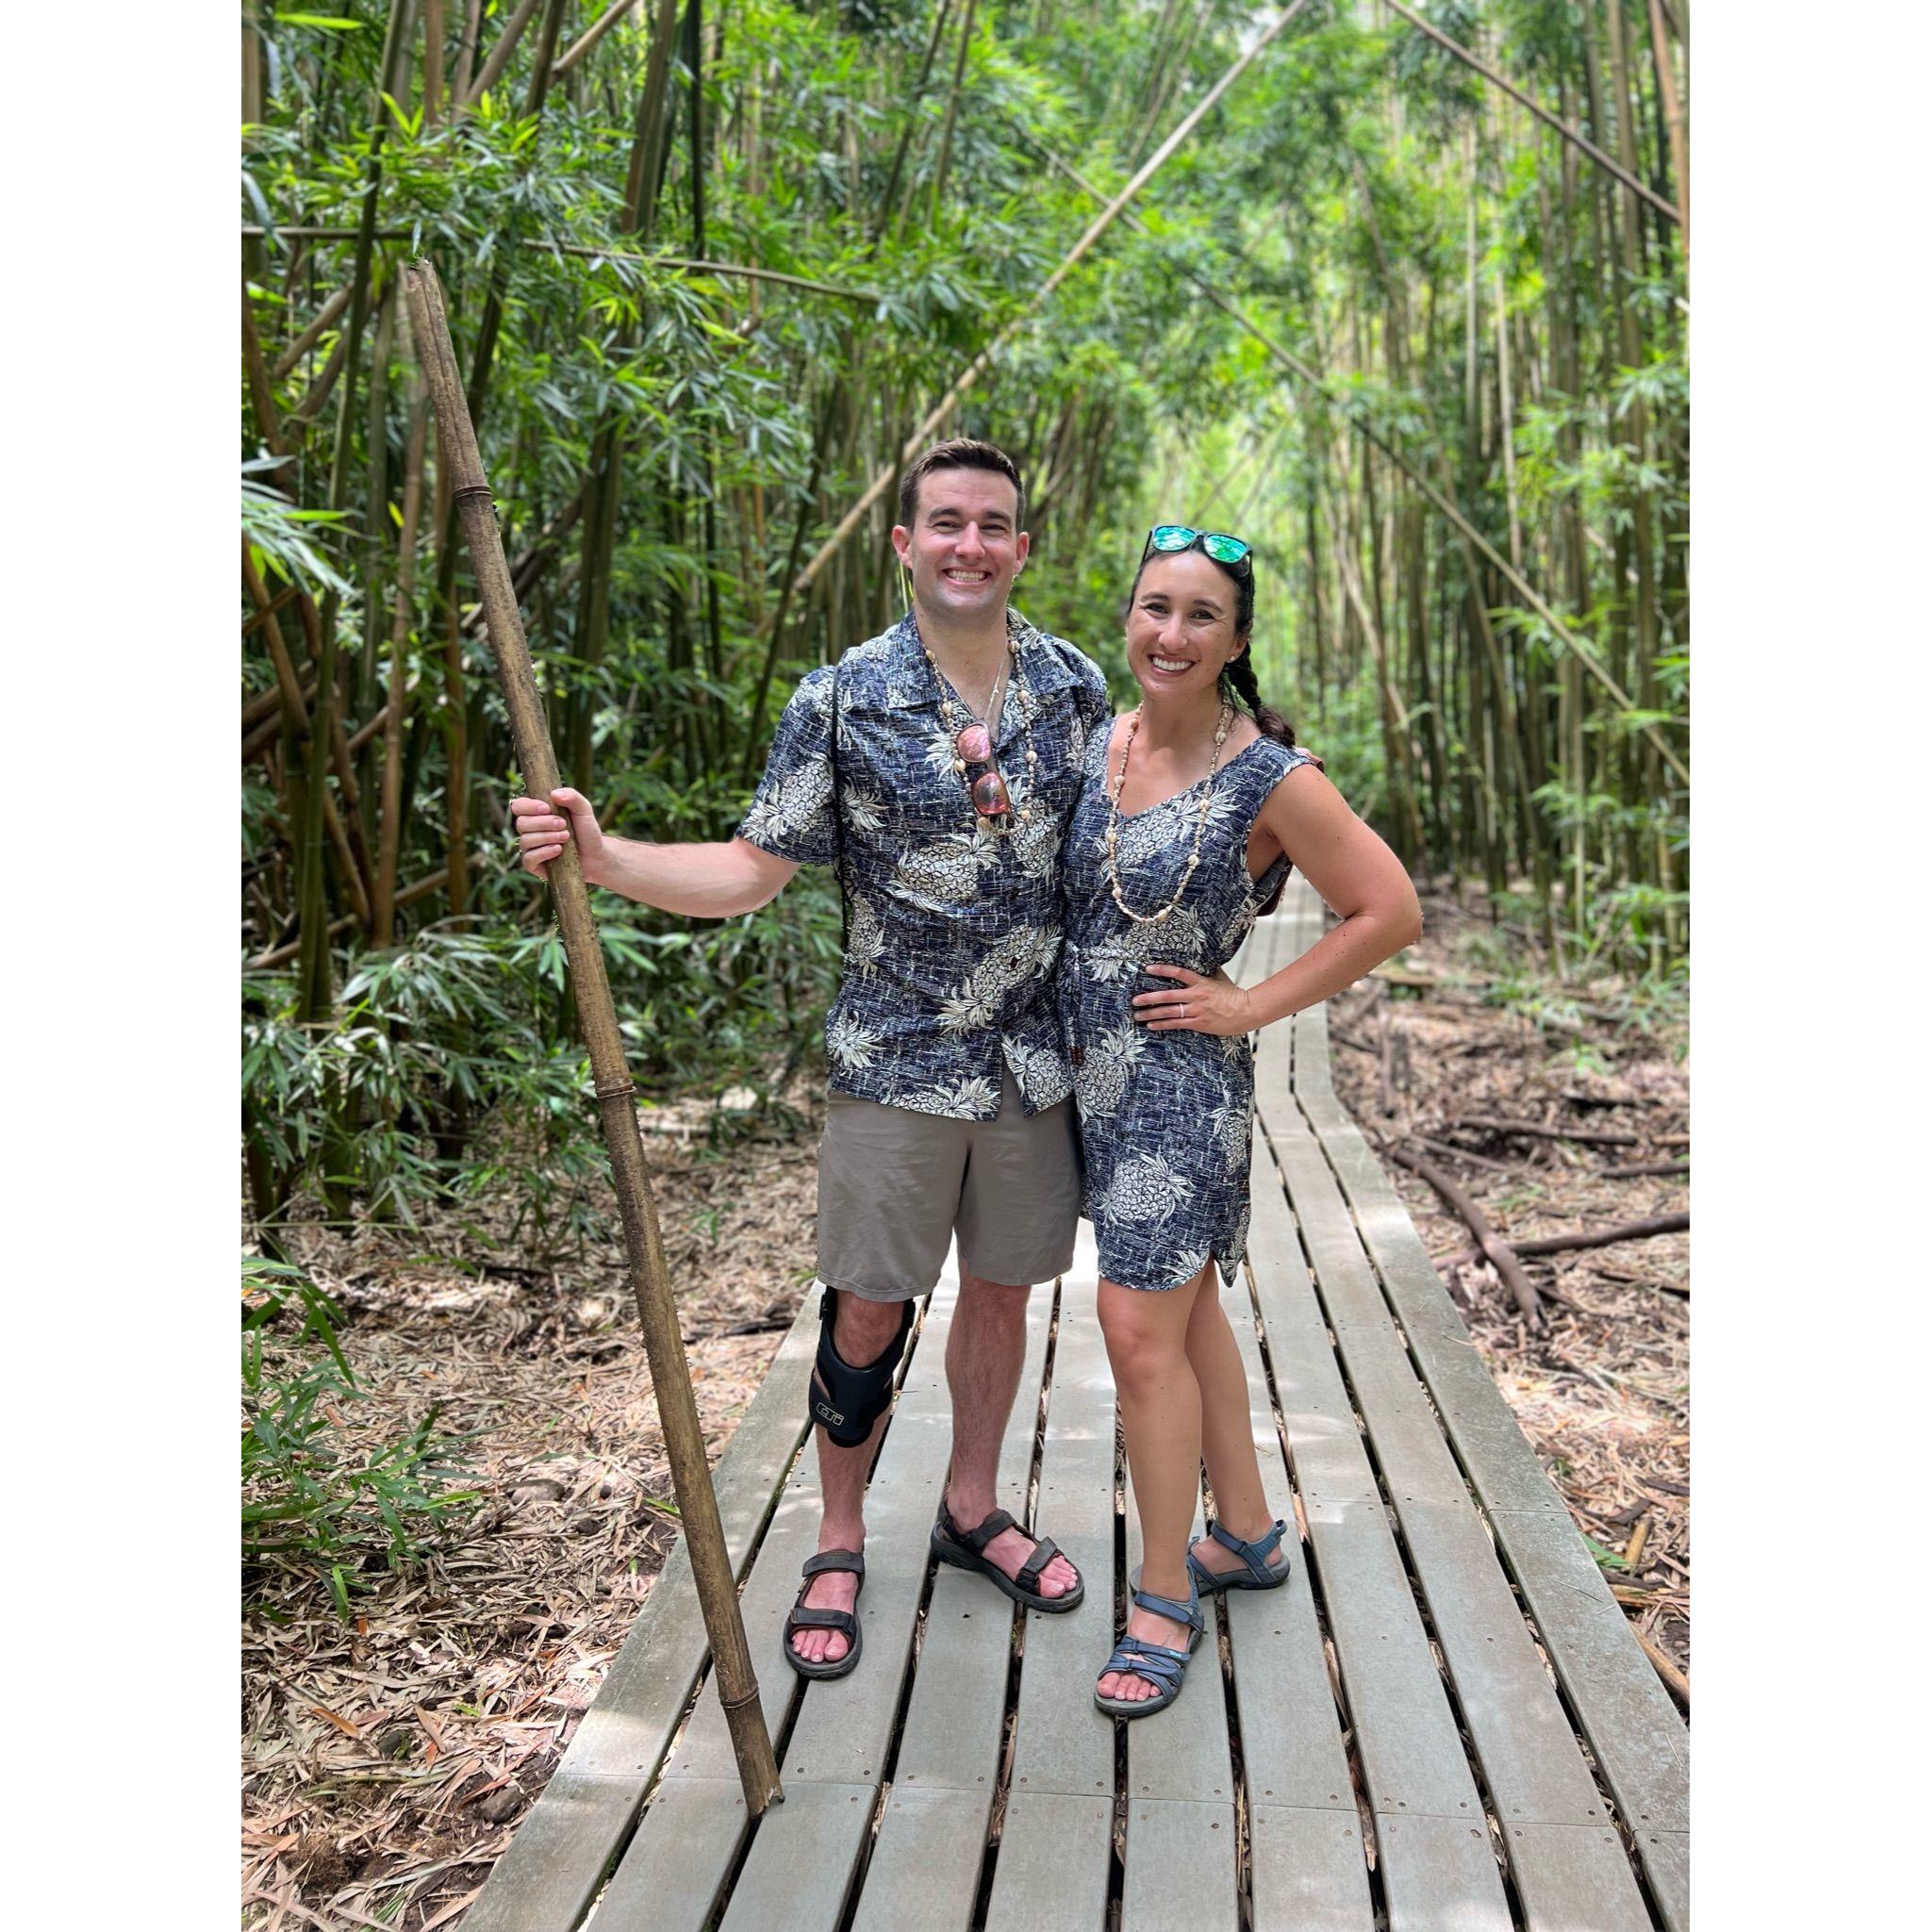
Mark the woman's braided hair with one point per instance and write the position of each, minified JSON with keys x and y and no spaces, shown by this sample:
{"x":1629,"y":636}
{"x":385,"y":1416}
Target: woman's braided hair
{"x":1239,"y":674}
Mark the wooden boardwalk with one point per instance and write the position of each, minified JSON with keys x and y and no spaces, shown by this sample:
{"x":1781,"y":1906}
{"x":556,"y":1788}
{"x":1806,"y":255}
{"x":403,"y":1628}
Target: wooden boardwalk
{"x":1443,"y":1723}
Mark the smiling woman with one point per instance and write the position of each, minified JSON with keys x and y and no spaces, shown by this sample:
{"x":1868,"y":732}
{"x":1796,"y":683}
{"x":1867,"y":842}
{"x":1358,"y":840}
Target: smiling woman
{"x":1171,"y":855}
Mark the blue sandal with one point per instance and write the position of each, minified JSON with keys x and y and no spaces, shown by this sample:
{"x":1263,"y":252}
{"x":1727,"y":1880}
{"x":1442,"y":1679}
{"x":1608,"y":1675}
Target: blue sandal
{"x":1260,"y":1574}
{"x":1161,"y":1664}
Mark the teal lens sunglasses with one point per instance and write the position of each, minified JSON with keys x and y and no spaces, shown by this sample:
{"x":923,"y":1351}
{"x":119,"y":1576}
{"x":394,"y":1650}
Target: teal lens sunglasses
{"x":1168,"y":539}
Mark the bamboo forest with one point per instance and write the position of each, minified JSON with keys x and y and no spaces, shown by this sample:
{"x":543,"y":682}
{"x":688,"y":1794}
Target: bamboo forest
{"x":1396,"y":293}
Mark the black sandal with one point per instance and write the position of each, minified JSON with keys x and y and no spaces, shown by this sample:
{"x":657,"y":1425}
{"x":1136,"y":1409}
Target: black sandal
{"x":966,"y":1549}
{"x":845,"y":1622}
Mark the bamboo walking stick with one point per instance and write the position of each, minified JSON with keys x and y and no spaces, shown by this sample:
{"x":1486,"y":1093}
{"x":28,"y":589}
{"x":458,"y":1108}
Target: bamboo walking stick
{"x":677,"y":1408}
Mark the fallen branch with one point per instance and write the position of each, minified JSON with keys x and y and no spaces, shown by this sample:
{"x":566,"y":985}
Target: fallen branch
{"x":1644,"y":1167}
{"x":1675,"y":1681}
{"x":1535,"y":1131}
{"x":1443,"y":1147}
{"x":1588,"y":1237}
{"x":1496,"y":1249}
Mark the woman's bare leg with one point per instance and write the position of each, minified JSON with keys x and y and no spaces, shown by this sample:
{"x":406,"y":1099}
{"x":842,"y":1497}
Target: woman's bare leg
{"x":1161,"y":1417}
{"x":1241,"y":1501}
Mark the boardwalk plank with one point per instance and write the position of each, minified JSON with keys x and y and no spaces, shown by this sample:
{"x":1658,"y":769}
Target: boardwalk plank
{"x":1290,"y":1733}
{"x":553,"y":1866}
{"x":1406,"y":1734}
{"x":1635,"y":1733}
{"x":927,"y":1857}
{"x":700,"y":1820}
{"x":1530,"y":1762}
{"x":1309,"y":1873}
{"x":1062,"y":1744}
{"x":801,"y":1859}
{"x":1438,"y":1874}
{"x":1054,"y":1857}
{"x":1180,"y":1861}
{"x":925,"y":1867}
{"x":1305,"y":1837}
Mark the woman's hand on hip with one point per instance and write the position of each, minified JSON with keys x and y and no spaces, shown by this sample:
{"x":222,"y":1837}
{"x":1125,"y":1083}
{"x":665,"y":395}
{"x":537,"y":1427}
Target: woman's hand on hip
{"x":1197,"y":1006}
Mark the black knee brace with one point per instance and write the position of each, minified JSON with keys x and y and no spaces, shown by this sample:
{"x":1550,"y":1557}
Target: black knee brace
{"x":850,"y":1400}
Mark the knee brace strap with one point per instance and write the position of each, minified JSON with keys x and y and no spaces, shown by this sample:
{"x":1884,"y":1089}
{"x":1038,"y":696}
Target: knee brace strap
{"x":850,"y":1400}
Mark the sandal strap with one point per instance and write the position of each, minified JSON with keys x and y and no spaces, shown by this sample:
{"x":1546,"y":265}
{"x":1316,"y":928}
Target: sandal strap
{"x":1044,"y":1553}
{"x":1188,"y":1613}
{"x":802,"y":1618}
{"x":976,"y":1540}
{"x":1256,"y":1554}
{"x":847,"y":1560}
{"x":1160,"y":1663}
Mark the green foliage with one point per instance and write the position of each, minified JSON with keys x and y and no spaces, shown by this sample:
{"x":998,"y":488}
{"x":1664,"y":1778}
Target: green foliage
{"x":1357,"y":194}
{"x":311,"y":1499}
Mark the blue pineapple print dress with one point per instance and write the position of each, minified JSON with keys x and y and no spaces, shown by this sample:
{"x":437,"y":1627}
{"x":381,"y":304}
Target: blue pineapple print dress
{"x":1165,"y":1117}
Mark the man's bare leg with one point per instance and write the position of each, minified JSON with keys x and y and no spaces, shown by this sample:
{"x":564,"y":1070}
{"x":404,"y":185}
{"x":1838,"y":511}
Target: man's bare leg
{"x":984,"y":1355}
{"x":862,"y":1332}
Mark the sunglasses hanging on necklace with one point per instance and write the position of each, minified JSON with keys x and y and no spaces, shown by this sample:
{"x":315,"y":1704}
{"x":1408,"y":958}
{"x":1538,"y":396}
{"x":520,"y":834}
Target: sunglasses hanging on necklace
{"x":972,"y":742}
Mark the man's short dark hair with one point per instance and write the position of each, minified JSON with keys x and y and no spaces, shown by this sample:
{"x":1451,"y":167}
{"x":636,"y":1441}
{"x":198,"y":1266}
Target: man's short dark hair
{"x":962,"y":453}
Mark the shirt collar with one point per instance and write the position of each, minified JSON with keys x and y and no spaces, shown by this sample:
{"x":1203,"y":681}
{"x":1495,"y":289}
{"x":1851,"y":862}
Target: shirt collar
{"x":909,"y":685}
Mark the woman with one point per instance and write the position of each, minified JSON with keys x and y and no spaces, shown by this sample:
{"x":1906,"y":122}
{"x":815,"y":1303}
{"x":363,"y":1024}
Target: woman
{"x":1191,"y":811}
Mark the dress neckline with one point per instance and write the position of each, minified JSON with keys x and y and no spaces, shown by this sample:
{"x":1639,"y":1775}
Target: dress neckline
{"x":1127,"y":818}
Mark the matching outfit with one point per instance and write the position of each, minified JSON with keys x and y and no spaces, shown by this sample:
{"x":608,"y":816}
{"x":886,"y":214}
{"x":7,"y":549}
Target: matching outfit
{"x":1165,"y":1117}
{"x":951,"y":1070}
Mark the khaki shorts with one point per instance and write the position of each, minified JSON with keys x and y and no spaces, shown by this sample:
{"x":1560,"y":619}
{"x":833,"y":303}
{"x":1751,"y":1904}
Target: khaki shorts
{"x":894,"y":1186}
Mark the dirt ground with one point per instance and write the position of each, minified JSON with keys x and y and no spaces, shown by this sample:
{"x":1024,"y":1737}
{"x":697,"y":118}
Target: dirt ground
{"x":386,"y":1762}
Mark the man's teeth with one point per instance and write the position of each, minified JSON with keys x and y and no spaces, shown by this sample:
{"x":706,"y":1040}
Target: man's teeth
{"x":1170,"y":664}
{"x":969,"y":576}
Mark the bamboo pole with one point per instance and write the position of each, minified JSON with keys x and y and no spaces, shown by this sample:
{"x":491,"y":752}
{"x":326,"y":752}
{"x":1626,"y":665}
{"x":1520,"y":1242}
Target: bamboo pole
{"x":677,"y":1406}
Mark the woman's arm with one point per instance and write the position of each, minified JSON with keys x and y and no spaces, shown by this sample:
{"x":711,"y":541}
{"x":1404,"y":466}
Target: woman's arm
{"x":1356,"y":876}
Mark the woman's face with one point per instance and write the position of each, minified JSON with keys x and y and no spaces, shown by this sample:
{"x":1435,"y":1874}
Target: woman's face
{"x":1180,"y":625}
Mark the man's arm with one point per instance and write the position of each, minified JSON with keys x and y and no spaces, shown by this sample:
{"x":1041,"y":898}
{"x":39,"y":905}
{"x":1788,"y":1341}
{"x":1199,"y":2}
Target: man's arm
{"x":701,"y":882}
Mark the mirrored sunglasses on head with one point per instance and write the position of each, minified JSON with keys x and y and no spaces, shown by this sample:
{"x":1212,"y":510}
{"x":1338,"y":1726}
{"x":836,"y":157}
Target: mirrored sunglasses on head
{"x":1169,"y":539}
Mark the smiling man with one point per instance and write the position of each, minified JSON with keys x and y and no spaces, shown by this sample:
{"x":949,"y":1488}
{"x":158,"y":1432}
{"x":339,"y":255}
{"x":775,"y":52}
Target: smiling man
{"x":936,"y":767}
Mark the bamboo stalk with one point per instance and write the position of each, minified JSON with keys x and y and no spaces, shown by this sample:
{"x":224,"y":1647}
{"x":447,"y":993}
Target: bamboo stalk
{"x":1675,"y":1681}
{"x":591,"y":36}
{"x":977,"y":367}
{"x":326,"y":319}
{"x":683,"y":1435}
{"x":390,"y":828}
{"x":1585,"y":653}
{"x":267,"y":962}
{"x":684,"y":264}
{"x":1576,"y":140}
{"x":500,"y":53}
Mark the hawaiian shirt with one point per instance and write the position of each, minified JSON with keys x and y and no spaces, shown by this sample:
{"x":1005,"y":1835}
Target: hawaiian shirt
{"x":955,"y":928}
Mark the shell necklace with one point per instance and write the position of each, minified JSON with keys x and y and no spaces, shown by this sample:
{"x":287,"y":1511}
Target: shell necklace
{"x":972,"y":743}
{"x":1112,"y":864}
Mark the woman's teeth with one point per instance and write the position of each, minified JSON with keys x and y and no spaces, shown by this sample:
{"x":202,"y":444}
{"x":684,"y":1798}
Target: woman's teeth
{"x":1169,"y":664}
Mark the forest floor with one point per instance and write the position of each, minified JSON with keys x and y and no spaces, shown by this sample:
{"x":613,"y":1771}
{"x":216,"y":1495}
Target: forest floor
{"x":387,"y":1760}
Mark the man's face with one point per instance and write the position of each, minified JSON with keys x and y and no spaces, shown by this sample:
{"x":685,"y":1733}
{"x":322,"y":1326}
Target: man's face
{"x":963,"y":549}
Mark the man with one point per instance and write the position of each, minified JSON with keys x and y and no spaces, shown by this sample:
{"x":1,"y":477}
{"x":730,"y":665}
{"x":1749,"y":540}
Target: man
{"x":957,"y":745}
